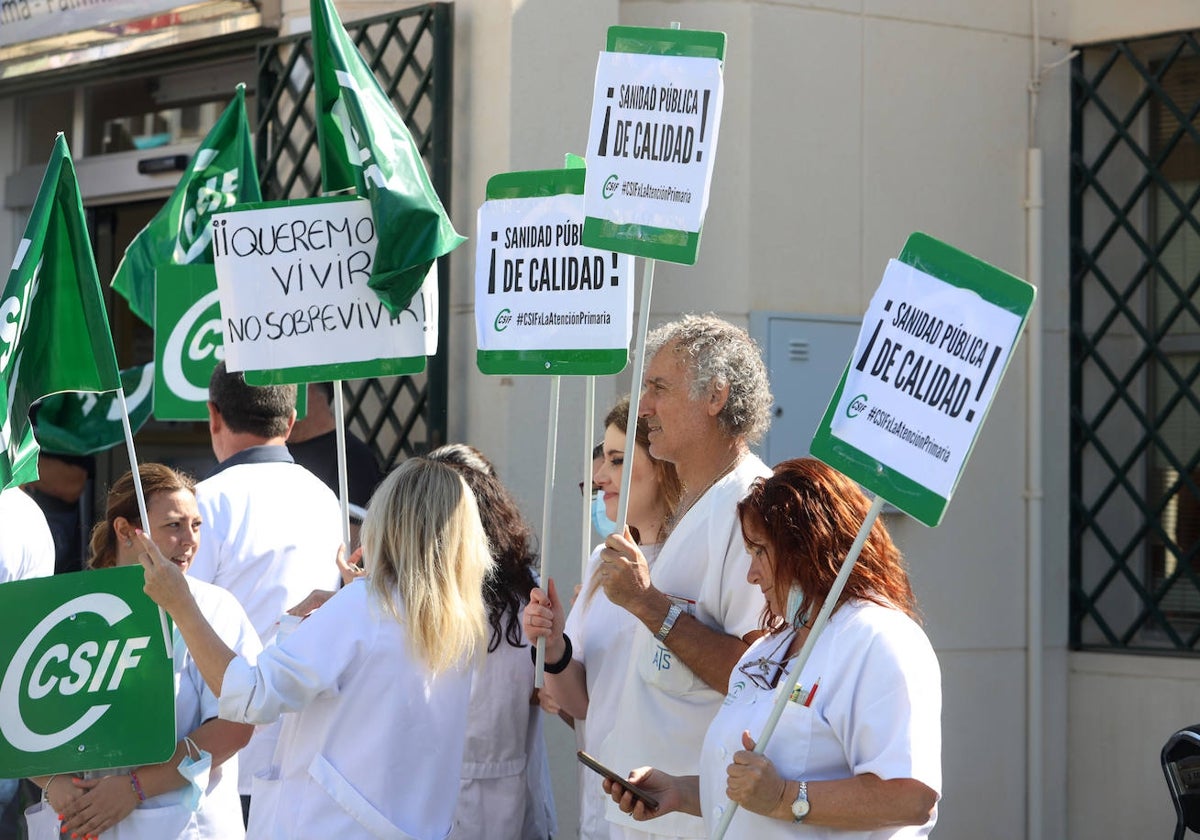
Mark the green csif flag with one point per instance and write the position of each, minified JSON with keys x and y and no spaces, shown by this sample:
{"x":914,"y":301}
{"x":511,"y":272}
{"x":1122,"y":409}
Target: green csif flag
{"x":83,"y":424}
{"x":221,"y":174}
{"x":54,"y":333}
{"x":365,"y":146}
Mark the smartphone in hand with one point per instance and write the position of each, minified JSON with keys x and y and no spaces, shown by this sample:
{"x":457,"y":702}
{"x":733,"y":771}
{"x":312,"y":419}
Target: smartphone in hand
{"x":613,"y":777}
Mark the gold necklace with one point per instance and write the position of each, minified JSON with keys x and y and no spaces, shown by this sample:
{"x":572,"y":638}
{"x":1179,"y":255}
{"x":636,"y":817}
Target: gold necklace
{"x":677,"y":517}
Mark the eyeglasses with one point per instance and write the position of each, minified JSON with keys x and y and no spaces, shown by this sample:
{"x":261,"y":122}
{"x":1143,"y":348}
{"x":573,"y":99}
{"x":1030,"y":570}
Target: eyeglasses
{"x":765,"y":671}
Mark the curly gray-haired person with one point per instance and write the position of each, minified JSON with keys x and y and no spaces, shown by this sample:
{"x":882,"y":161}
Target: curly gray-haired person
{"x":706,"y":399}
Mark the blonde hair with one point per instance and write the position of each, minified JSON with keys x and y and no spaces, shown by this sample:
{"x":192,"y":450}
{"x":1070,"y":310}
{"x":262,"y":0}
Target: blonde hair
{"x":426,"y":549}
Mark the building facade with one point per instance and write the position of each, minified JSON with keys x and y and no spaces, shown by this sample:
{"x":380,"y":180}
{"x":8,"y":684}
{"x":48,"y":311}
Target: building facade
{"x":1056,"y":139}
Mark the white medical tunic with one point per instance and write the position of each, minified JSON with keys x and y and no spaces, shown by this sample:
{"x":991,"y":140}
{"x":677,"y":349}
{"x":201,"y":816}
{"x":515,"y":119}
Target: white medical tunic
{"x":26,"y":544}
{"x":601,"y":637}
{"x":877,"y":709}
{"x":505,"y":792}
{"x":665,"y":708}
{"x":270,"y":533}
{"x":374,"y":745}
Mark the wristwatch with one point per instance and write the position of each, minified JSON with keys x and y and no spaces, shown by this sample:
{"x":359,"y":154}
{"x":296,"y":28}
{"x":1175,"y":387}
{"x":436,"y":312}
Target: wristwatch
{"x":800,"y":806}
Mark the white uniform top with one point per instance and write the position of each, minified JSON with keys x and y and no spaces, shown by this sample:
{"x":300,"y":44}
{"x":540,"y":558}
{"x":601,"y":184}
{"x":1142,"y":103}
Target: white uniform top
{"x":375,"y":745}
{"x":164,"y":817}
{"x":270,"y":533}
{"x":877,"y":710}
{"x":665,"y":707}
{"x":26,"y":544}
{"x":601,"y":638}
{"x":505,"y":791}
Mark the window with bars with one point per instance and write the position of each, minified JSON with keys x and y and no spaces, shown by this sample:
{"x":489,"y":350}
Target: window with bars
{"x":1135,"y":346}
{"x":410,"y":52}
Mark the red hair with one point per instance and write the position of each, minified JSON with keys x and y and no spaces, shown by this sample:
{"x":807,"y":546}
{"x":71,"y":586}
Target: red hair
{"x":811,"y":514}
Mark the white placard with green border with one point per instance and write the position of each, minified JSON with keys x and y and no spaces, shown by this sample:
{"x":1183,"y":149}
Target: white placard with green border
{"x":652,"y":141}
{"x":189,"y":340}
{"x":934,"y":345}
{"x":88,"y":675}
{"x":544,"y":303}
{"x":295,"y":305}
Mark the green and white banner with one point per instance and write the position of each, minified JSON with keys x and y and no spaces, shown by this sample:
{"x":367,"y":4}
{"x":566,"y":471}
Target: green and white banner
{"x":54,"y":333}
{"x":652,"y":141}
{"x":295,"y":304}
{"x":83,"y":424}
{"x":88,"y":675}
{"x":188,"y":340}
{"x":544,"y":303}
{"x":365,"y":146}
{"x":220,"y":175}
{"x":935,"y":343}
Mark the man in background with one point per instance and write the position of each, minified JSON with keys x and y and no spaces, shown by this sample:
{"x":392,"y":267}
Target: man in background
{"x":271,"y":530}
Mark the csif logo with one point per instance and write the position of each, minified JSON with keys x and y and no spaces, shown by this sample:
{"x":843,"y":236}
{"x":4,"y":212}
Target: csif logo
{"x":857,"y":406}
{"x":503,"y":319}
{"x":611,"y":184}
{"x":70,"y":677}
{"x":195,"y":345}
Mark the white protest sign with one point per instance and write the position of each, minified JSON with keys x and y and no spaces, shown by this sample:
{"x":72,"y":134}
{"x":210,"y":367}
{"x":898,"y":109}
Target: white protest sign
{"x":935,"y":342}
{"x":652,"y":141}
{"x":538,"y":288}
{"x":922,"y":374}
{"x":292,"y":279}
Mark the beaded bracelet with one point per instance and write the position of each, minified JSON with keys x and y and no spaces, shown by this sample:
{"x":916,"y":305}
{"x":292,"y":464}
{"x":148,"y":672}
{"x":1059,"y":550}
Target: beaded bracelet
{"x":137,"y":786}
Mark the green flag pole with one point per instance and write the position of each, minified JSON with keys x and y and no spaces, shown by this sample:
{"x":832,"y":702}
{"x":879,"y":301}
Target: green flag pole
{"x":539,"y":673}
{"x":782,"y":698}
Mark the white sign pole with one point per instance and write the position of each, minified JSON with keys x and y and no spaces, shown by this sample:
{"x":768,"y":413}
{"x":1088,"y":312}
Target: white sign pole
{"x":635,"y":392}
{"x":539,"y":673}
{"x":589,"y":410}
{"x":343,"y":481}
{"x":785,"y":693}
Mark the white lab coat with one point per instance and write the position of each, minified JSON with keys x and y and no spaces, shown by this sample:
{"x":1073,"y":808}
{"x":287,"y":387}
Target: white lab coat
{"x":665,"y":707}
{"x":270,"y":534}
{"x":505,"y":792}
{"x":877,"y":709}
{"x":374,"y":747}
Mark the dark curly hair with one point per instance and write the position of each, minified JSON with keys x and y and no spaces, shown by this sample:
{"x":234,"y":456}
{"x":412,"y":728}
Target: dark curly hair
{"x":507,"y":589}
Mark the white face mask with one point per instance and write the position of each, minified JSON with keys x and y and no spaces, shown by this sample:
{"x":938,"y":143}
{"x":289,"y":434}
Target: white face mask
{"x":600,"y":521}
{"x":196,"y":771}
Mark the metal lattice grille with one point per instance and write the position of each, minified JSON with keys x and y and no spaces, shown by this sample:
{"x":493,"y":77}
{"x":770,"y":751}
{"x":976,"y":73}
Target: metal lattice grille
{"x":1135,"y":345}
{"x":410,"y":54}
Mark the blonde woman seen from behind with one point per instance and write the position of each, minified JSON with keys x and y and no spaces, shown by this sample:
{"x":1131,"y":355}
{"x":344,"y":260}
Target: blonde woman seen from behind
{"x":194,"y":793}
{"x":378,"y":679}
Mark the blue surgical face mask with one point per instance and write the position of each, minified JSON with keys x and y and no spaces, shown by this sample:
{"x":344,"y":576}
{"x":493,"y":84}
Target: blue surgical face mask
{"x":600,"y":521}
{"x":196,"y":771}
{"x":795,"y":598}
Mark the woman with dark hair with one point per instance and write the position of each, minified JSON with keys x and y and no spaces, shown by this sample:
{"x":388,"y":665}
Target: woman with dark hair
{"x":588,"y":652}
{"x":505,"y":790}
{"x":857,"y":751}
{"x":194,"y":793}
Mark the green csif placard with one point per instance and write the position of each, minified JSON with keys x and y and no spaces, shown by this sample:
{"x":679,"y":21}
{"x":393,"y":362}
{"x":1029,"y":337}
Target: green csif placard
{"x":544,"y":303}
{"x":88,"y":675}
{"x":935,"y":342}
{"x":652,"y":141}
